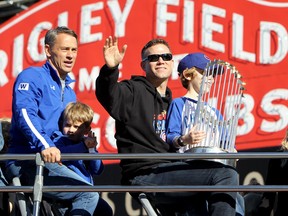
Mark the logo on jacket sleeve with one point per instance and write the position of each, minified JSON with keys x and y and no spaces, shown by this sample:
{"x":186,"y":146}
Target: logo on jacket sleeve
{"x":52,"y":87}
{"x":23,"y":86}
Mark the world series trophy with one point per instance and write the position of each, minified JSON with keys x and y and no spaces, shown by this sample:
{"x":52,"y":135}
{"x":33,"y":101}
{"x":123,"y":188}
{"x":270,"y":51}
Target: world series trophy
{"x":217,"y":110}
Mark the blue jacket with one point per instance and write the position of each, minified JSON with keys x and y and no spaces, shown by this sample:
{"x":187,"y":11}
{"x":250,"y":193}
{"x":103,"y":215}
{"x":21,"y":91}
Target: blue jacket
{"x":38,"y":102}
{"x":85,"y":169}
{"x":181,"y":118}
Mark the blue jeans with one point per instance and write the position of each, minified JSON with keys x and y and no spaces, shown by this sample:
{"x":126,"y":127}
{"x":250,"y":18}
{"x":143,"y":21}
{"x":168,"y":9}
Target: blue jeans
{"x":240,"y":205}
{"x":83,"y":203}
{"x":102,"y":209}
{"x":192,"y":173}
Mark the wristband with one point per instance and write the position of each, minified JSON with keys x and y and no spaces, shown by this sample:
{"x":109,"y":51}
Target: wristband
{"x":180,"y":141}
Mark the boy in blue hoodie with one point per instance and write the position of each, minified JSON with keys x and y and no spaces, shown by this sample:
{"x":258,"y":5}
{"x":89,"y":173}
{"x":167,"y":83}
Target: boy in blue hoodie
{"x":182,"y":135}
{"x":76,"y":137}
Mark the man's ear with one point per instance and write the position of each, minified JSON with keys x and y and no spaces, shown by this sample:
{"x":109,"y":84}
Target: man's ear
{"x":187,"y":75}
{"x":47,"y":50}
{"x":142,"y":64}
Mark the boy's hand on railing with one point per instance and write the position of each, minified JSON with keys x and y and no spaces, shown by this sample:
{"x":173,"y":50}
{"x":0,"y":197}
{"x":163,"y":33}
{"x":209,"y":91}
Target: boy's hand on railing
{"x":51,"y":155}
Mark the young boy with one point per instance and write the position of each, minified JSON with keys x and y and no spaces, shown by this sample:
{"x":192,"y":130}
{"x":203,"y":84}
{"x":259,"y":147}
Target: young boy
{"x":76,"y":137}
{"x":181,"y":133}
{"x":181,"y":114}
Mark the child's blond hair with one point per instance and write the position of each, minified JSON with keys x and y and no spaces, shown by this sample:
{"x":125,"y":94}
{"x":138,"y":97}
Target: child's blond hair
{"x":78,"y":112}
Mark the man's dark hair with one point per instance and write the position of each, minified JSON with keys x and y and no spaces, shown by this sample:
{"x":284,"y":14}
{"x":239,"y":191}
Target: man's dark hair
{"x":154,"y":42}
{"x":52,"y":33}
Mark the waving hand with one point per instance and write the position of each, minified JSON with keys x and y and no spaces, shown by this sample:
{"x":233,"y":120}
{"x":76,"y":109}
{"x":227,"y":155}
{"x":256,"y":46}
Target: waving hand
{"x":112,"y":55}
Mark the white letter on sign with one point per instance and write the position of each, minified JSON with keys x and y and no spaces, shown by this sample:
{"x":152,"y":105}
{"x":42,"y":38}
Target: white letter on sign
{"x":265,"y":42}
{"x":3,"y":64}
{"x":237,"y":46}
{"x":188,"y":21}
{"x":163,"y":16}
{"x":120,"y":18}
{"x":34,"y":40}
{"x":87,"y":21}
{"x":209,"y":26}
{"x":275,"y":109}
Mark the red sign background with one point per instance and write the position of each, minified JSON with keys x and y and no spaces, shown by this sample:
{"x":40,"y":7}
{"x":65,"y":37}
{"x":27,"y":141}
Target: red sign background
{"x":247,"y":34}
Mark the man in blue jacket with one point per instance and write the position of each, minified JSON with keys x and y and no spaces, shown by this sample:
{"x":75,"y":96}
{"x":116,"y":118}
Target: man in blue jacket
{"x":40,"y":94}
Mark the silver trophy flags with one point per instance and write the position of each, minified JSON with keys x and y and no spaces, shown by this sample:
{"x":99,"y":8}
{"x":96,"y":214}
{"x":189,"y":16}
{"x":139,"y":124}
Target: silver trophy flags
{"x":218,"y":109}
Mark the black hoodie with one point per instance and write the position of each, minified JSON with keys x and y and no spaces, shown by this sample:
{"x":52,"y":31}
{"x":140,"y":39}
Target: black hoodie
{"x":134,"y":104}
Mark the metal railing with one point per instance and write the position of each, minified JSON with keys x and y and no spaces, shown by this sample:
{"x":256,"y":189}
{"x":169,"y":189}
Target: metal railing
{"x":166,"y":188}
{"x":39,"y":188}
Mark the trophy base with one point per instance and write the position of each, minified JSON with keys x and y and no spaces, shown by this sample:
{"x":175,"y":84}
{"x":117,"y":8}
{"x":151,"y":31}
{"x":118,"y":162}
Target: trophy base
{"x":202,"y":149}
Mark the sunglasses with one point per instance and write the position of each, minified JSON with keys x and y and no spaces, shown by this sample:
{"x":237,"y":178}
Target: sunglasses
{"x":155,"y":57}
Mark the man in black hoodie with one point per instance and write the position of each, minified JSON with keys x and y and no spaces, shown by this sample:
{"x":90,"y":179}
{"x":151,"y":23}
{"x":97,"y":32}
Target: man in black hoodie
{"x":139,"y":107}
